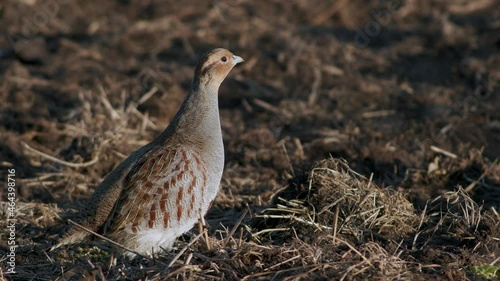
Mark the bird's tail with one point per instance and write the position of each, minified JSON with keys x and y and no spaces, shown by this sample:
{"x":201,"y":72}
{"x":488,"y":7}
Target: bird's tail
{"x":72,"y":237}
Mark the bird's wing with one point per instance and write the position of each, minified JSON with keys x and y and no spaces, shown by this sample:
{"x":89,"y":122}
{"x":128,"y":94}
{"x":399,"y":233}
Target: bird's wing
{"x":97,"y":210}
{"x":164,"y":187}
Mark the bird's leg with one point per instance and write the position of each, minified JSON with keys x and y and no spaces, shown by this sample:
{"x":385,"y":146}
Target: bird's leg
{"x":202,"y":227}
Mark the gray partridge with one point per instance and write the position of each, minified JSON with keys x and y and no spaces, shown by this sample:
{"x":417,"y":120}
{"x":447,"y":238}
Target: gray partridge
{"x":161,"y":190}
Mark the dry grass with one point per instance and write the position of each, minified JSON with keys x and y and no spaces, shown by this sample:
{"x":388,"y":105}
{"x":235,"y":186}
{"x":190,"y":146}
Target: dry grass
{"x":337,"y":200}
{"x":339,"y":225}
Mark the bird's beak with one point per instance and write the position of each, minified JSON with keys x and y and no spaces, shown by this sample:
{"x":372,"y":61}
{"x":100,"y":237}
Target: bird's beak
{"x":237,"y":59}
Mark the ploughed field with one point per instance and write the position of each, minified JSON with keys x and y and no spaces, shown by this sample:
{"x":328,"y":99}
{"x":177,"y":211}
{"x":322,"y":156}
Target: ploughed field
{"x":361,"y":137}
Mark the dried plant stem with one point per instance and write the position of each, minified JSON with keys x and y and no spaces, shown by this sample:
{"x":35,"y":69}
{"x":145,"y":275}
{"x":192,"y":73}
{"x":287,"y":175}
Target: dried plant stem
{"x":113,"y":242}
{"x":185,"y":248}
{"x":205,"y":233}
{"x":231,"y":233}
{"x":62,"y":162}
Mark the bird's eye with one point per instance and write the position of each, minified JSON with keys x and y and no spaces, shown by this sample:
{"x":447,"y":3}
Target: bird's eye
{"x":224,"y":59}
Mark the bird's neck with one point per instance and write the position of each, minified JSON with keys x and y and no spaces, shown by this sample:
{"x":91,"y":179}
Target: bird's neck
{"x":197,"y":121}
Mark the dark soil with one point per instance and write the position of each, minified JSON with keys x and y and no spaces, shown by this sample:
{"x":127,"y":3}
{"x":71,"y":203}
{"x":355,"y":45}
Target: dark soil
{"x":407,"y":92}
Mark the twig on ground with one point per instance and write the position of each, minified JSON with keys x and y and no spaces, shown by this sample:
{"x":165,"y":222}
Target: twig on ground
{"x":231,"y":233}
{"x":185,"y":248}
{"x":113,"y":242}
{"x":444,"y":152}
{"x":62,"y":162}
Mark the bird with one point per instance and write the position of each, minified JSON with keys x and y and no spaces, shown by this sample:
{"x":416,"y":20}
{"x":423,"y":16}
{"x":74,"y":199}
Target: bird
{"x":161,"y":190}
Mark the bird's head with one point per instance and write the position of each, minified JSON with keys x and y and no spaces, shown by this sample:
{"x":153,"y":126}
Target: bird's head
{"x":214,"y":66}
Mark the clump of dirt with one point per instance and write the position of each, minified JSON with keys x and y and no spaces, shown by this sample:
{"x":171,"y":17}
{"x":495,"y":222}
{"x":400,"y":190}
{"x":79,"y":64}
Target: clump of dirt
{"x":335,"y":200}
{"x":455,"y":219}
{"x":457,"y":233}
